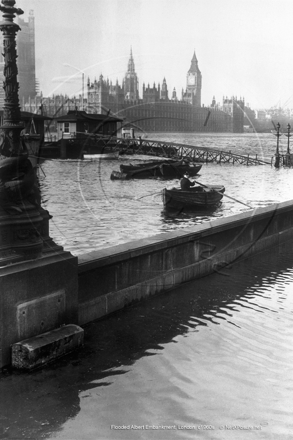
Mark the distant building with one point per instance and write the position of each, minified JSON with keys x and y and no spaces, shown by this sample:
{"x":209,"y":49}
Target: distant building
{"x":25,"y":46}
{"x":267,"y":119}
{"x":26,"y":58}
{"x":53,"y":106}
{"x":235,"y":108}
{"x":193,"y":84}
{"x":261,"y":115}
{"x":155,"y":110}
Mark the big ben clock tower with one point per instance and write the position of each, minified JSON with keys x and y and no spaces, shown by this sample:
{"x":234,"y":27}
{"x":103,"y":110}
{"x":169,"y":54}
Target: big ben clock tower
{"x":193,"y":84}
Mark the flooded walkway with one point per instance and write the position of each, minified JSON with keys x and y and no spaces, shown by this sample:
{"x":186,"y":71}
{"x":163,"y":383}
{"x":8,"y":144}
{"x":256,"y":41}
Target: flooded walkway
{"x":211,"y":355}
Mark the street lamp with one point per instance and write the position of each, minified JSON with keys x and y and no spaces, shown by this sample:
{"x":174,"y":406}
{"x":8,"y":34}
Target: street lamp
{"x":10,"y":143}
{"x":288,"y":136}
{"x":278,"y":134}
{"x":76,"y":68}
{"x":277,"y":155}
{"x":36,"y":274}
{"x":21,"y":216}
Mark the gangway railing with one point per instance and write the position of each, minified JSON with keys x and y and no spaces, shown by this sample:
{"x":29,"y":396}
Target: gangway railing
{"x":166,"y":149}
{"x":180,"y":151}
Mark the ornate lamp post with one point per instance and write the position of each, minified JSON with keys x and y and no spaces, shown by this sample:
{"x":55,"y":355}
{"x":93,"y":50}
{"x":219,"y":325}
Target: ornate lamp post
{"x":278,"y":134}
{"x":277,"y":155}
{"x":288,"y":136}
{"x":23,"y":223}
{"x":38,"y":279}
{"x":287,"y":158}
{"x":10,"y":144}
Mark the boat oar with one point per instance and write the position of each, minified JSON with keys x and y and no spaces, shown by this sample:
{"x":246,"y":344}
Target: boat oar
{"x":229,"y":197}
{"x":151,"y":194}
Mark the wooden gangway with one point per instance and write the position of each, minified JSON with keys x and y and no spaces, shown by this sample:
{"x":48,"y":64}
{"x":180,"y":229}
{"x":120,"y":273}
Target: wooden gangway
{"x":180,"y":151}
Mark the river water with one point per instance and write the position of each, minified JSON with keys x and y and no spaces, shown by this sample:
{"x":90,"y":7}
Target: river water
{"x":92,"y":212}
{"x":211,"y":359}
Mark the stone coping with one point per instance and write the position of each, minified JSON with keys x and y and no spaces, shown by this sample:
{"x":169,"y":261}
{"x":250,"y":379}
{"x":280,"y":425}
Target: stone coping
{"x":142,"y":246}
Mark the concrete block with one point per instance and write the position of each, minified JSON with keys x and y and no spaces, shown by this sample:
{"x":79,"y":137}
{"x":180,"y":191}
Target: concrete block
{"x":42,"y":349}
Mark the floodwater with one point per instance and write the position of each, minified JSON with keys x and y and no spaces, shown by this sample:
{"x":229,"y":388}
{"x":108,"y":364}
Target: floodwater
{"x":211,"y":359}
{"x":90,"y":211}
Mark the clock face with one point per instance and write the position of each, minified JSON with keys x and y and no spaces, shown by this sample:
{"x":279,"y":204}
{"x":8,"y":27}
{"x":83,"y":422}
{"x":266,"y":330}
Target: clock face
{"x":191,"y":80}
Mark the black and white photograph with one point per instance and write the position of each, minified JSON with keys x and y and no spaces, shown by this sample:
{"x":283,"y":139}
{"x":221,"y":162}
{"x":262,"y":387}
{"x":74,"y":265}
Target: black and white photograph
{"x":146,"y":219}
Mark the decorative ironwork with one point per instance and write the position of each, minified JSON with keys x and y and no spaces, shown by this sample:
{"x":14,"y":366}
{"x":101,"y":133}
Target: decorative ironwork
{"x":10,"y":144}
{"x":17,"y":176}
{"x":171,"y":150}
{"x":21,"y":215}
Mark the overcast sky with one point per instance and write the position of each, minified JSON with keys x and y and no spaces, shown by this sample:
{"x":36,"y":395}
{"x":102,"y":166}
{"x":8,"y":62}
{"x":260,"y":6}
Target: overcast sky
{"x":244,"y":47}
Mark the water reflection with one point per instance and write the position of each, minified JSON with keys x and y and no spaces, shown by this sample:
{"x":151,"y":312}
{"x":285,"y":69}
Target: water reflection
{"x":92,"y":212}
{"x":217,"y":350}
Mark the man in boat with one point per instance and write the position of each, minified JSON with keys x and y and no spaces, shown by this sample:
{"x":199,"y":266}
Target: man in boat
{"x":185,"y":183}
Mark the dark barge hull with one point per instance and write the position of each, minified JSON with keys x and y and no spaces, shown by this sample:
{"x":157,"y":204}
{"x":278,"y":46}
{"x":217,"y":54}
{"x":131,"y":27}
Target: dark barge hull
{"x":164,"y":171}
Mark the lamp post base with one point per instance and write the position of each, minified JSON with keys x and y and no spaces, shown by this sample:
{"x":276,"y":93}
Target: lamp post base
{"x":36,"y":296}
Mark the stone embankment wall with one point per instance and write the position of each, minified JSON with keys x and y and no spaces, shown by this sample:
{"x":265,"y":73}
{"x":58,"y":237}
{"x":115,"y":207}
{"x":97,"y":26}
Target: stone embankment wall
{"x":44,"y":294}
{"x":112,"y":278}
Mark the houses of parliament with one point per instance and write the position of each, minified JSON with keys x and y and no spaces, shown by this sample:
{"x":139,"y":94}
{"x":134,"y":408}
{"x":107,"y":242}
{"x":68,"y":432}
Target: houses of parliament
{"x":157,"y":110}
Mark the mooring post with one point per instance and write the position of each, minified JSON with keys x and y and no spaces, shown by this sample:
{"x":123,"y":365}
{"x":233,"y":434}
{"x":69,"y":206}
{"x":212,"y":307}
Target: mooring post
{"x":63,"y":149}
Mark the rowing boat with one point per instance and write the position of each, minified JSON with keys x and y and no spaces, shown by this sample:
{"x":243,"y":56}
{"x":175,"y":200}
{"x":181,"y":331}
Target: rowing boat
{"x":197,"y":197}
